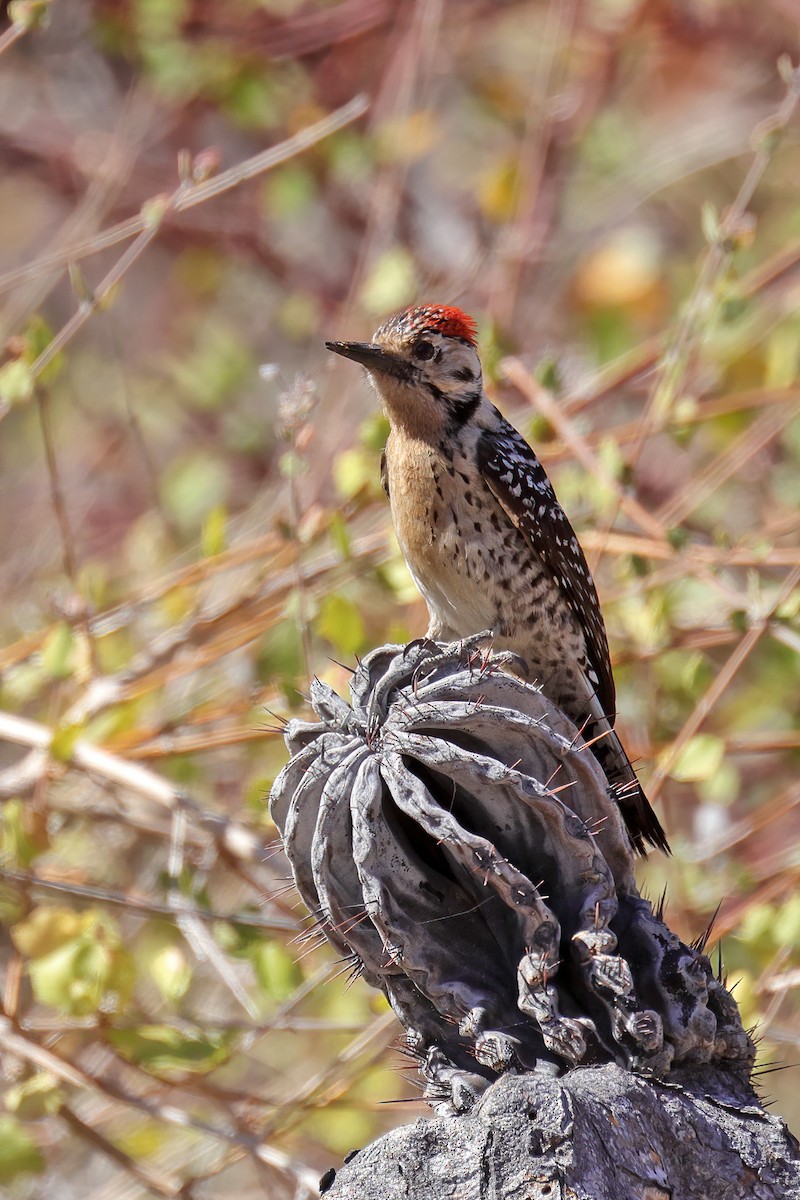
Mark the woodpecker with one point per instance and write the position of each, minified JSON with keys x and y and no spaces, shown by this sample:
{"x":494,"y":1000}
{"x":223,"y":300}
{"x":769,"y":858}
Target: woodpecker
{"x":483,"y":534}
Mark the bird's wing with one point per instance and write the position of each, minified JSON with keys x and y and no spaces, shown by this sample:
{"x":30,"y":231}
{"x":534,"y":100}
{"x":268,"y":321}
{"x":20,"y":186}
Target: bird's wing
{"x":520,"y":484}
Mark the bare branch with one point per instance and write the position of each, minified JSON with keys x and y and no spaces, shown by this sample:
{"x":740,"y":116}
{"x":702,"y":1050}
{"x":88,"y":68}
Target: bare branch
{"x":194,"y":194}
{"x":234,"y":837}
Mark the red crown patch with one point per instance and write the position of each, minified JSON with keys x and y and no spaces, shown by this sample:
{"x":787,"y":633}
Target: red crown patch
{"x":452,"y":322}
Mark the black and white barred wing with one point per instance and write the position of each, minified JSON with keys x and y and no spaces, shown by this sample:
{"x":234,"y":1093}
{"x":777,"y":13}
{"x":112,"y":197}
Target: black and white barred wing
{"x":519,"y":482}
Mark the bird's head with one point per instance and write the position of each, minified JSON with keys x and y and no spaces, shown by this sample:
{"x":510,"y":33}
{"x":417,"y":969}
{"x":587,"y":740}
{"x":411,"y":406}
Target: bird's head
{"x":424,"y":365}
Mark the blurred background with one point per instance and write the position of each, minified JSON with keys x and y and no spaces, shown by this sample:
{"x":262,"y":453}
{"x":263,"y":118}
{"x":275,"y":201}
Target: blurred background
{"x":191,"y":520}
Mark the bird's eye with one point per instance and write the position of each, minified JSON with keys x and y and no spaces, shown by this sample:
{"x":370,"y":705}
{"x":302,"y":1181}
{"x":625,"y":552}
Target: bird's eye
{"x":424,"y":350}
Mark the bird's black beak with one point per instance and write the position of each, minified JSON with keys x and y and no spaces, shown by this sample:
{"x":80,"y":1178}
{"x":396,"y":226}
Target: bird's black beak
{"x":373,"y":357}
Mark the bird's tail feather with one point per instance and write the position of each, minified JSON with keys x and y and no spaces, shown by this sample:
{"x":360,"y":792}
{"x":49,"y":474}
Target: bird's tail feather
{"x":642,"y":823}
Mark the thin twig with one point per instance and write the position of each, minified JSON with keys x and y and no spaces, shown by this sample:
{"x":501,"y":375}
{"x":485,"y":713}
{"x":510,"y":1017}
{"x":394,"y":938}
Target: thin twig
{"x":295,"y":407}
{"x":705,"y":410}
{"x":539,"y":398}
{"x":155,"y":1180}
{"x":46,"y":1059}
{"x":233,"y":836}
{"x":749,"y":443}
{"x":56,"y":490}
{"x":204,"y":947}
{"x":778,"y":807}
{"x":374,"y":1039}
{"x":639,"y":361}
{"x":704,"y":297}
{"x":250,"y":168}
{"x":627,"y":544}
{"x":707,"y":701}
{"x":135,"y":904}
{"x":15,"y":31}
{"x":157,"y":210}
{"x":58,"y":501}
{"x":109,"y":179}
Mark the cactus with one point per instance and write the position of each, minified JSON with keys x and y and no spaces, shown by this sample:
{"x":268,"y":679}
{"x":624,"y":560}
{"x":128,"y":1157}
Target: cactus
{"x":451,"y":833}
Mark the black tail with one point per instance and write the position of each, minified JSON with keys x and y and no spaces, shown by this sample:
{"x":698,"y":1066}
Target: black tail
{"x":642,"y":823}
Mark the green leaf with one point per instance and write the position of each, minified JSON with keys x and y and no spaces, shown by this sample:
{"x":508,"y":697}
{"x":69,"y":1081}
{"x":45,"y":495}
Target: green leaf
{"x":396,"y":576}
{"x":391,"y":282}
{"x":498,"y":189}
{"x":37,"y":1097}
{"x":291,"y":464}
{"x":154,"y":210}
{"x":162,"y":1049}
{"x":709,"y":223}
{"x":299,"y":316}
{"x":23,"y":834}
{"x":354,"y":470}
{"x":745,"y":991}
{"x":71,"y":978}
{"x":758,"y":926}
{"x":213,"y":537}
{"x":789,"y":610}
{"x":78,"y":963}
{"x":611,"y":458}
{"x":548,"y":374}
{"x":45,"y":930}
{"x":38,"y":335}
{"x":12,"y":905}
{"x":192,"y":487}
{"x":23,"y":682}
{"x":783,"y":356}
{"x":16,"y":382}
{"x":281,"y":658}
{"x":289,"y":191}
{"x":161,"y":951}
{"x":62,"y":745}
{"x":722,"y":787}
{"x":678,"y":537}
{"x":276,"y":970}
{"x":374,"y":431}
{"x":350,"y":157}
{"x":18,"y":1151}
{"x":340,"y":535}
{"x":142,"y":1139}
{"x":30,"y":14}
{"x":739,"y":620}
{"x":700,"y":758}
{"x":212,"y":374}
{"x":58,"y":652}
{"x":786,"y":929}
{"x":342,"y":624}
{"x":345,"y":1129}
{"x":251,"y":100}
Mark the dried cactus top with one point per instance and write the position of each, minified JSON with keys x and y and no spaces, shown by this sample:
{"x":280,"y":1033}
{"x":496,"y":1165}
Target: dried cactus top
{"x":454,"y":837}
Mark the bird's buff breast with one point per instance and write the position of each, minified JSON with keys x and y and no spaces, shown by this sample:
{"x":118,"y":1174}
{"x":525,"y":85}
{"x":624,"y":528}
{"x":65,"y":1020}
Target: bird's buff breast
{"x":425,"y":507}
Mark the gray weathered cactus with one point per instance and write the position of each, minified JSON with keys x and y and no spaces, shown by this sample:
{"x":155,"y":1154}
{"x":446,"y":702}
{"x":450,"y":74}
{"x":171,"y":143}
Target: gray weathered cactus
{"x":450,"y":831}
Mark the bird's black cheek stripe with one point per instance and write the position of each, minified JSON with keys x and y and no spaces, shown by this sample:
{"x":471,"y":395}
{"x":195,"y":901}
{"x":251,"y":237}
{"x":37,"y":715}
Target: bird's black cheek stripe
{"x":467,"y":407}
{"x":465,"y":374}
{"x":460,"y":411}
{"x":436,"y":392}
